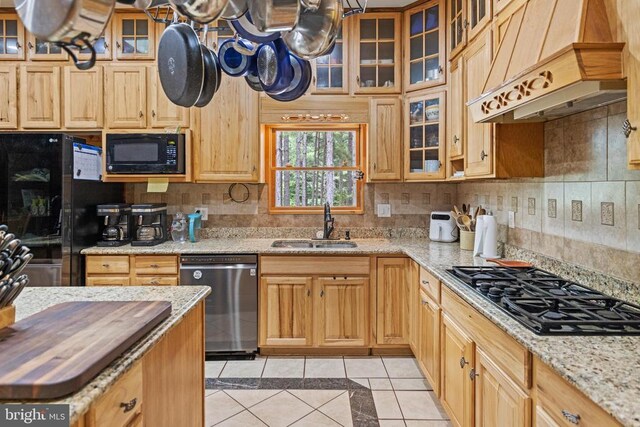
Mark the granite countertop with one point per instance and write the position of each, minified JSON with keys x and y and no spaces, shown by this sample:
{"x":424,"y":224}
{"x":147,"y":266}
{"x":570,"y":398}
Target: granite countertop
{"x":604,"y":368}
{"x":183,"y":299}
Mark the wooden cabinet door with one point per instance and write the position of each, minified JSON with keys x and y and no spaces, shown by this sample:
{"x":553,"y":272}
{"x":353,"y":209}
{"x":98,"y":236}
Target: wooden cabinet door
{"x":331,"y":72}
{"x":9,"y":99}
{"x":425,"y":126}
{"x":429,"y":341}
{"x":135,"y":36}
{"x":341,"y":311}
{"x":499,"y":401}
{"x":478,"y":16}
{"x":377,"y":56}
{"x":392,"y":318}
{"x":413,"y":303}
{"x":40,"y":97}
{"x":228,"y":148}
{"x":456,"y":384}
{"x":126,"y":96}
{"x":455,"y":110}
{"x":385,"y":140}
{"x":456,"y":20}
{"x":424,"y":46}
{"x":286,"y":311}
{"x":11,"y":37}
{"x":478,"y":137}
{"x":162,"y":112}
{"x":544,"y":419}
{"x":83,"y":98}
{"x":40,"y":50}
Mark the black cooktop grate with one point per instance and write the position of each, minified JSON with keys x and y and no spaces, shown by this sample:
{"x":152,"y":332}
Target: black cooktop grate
{"x":550,"y":305}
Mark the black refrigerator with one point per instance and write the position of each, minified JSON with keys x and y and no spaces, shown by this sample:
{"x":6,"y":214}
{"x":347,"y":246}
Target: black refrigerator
{"x":48,"y":206}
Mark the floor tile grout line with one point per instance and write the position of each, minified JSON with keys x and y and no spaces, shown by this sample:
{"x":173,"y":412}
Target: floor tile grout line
{"x":264,"y":366}
{"x":248,"y":407}
{"x":318,"y":408}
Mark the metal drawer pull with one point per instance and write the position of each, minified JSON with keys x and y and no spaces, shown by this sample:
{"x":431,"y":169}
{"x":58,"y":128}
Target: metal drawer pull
{"x":572,"y":418}
{"x":154,"y":266}
{"x":321,"y":294}
{"x":463,"y":362}
{"x":425,"y":302}
{"x":105,"y":265}
{"x":154,"y":283}
{"x":308,"y":292}
{"x":627,"y":128}
{"x":128,"y":406}
{"x":425,"y":282}
{"x":472,"y":374}
{"x":483,"y":155}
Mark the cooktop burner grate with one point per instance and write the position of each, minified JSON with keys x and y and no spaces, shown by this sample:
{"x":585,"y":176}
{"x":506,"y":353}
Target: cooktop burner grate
{"x":550,"y":305}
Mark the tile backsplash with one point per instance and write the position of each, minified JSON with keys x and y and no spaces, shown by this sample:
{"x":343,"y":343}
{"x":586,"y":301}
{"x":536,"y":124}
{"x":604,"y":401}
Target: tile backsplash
{"x":586,"y":210}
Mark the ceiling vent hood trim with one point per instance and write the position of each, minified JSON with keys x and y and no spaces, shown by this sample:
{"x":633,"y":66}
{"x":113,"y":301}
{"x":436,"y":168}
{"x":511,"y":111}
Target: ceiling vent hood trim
{"x":578,"y":48}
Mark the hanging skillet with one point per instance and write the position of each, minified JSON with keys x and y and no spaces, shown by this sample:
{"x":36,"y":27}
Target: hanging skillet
{"x":232,"y":59}
{"x":274,"y":67}
{"x":180,"y":64}
{"x":69,"y":24}
{"x":301,"y":81}
{"x":211,"y":70}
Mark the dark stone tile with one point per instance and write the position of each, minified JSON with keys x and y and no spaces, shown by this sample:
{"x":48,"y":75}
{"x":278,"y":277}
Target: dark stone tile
{"x":282,"y":383}
{"x":232,"y":383}
{"x":363,"y":409}
{"x":355,"y":386}
{"x":326,"y":383}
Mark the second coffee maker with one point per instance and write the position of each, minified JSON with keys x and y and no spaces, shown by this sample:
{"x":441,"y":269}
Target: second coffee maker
{"x":150,"y":224}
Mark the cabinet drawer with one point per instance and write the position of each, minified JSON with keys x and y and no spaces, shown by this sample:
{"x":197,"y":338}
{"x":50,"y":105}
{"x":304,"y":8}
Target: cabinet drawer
{"x":156,"y":281}
{"x":430,"y":285}
{"x":564,"y":403}
{"x":320,"y":265}
{"x":513,"y":358}
{"x":121,"y":404}
{"x":108,"y":281}
{"x":156,"y":264}
{"x":107,"y":264}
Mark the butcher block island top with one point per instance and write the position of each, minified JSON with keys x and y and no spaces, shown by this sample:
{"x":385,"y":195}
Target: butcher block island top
{"x":183,"y":301}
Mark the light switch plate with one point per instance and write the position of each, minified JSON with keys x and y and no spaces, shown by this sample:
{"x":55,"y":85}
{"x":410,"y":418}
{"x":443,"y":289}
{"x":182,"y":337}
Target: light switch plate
{"x":204,"y":212}
{"x":512,"y":219}
{"x":384,"y":210}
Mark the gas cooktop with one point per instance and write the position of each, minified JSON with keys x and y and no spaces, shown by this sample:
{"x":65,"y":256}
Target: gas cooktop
{"x":550,"y":305}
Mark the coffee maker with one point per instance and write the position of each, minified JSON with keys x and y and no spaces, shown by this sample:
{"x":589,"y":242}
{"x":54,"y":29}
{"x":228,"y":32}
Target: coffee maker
{"x":150,"y":224}
{"x":116,"y":227}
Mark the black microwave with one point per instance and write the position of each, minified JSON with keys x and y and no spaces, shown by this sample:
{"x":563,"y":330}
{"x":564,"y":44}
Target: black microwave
{"x":145,"y":153}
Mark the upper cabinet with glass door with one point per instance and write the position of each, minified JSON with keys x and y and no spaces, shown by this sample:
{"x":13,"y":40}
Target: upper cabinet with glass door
{"x":41,"y":50}
{"x":135,"y":36}
{"x":330,"y":72}
{"x":377,"y":59}
{"x":425,"y":45}
{"x":466,"y":19}
{"x":11,"y":37}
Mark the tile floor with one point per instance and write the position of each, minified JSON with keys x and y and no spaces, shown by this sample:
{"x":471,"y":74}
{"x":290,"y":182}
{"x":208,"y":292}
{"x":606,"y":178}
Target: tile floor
{"x":320,"y":391}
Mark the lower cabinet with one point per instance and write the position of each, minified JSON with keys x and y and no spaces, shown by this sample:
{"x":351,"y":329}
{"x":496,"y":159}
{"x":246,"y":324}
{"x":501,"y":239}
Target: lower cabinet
{"x":341,"y":307}
{"x":132,"y":270}
{"x":429,"y":340}
{"x":393,"y":281}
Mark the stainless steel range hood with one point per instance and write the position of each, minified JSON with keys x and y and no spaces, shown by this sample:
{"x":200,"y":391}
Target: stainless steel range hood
{"x":556,"y":58}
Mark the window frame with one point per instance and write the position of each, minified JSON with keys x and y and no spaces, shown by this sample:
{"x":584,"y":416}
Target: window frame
{"x":271,"y":169}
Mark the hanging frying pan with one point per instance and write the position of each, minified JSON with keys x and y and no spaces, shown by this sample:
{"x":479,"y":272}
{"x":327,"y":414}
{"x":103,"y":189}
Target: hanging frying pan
{"x":252,"y":78}
{"x":301,"y":80}
{"x":245,"y":28}
{"x":274,"y":67}
{"x":210,"y":84}
{"x":180,"y":64}
{"x":232,"y":61}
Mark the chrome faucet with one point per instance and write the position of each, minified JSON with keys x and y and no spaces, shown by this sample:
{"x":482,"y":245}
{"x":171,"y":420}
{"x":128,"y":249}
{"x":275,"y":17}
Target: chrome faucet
{"x":328,"y":222}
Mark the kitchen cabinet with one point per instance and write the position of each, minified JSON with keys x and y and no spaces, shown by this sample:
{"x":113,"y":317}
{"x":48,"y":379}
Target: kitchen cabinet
{"x":9,"y":99}
{"x":385,"y":140}
{"x":331,"y":72}
{"x":40,"y":96}
{"x":499,"y":401}
{"x":428,"y":354}
{"x":286,"y":311}
{"x":83,"y":97}
{"x":227,"y":148}
{"x":392,"y":312}
{"x":457,"y":384}
{"x":41,"y":50}
{"x":413,"y":303}
{"x":466,"y":19}
{"x":455,"y":110}
{"x":424,"y":46}
{"x":135,"y":36}
{"x":377,"y":57}
{"x":132,"y":270}
{"x":126,"y":96}
{"x":341,"y":308}
{"x":162,"y":112}
{"x":500,"y":5}
{"x":11,"y":37}
{"x":108,"y":412}
{"x":102,"y":45}
{"x":424,"y":135}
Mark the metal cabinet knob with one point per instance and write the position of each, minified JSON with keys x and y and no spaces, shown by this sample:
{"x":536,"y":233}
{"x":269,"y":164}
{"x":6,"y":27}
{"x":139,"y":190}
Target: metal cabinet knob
{"x":30,"y":45}
{"x":321,"y":293}
{"x":463,"y":362}
{"x":473,"y":374}
{"x":425,"y":302}
{"x":154,"y":283}
{"x":128,"y":406}
{"x":308,"y":292}
{"x":627,"y":128}
{"x":141,"y":114}
{"x":153,"y":113}
{"x":456,"y":139}
{"x":483,"y":155}
{"x":425,"y":282}
{"x":105,"y":265}
{"x":572,"y":418}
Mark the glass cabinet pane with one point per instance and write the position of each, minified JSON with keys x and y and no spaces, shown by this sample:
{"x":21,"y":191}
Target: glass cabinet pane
{"x":386,"y":29}
{"x":424,"y":48}
{"x":378,"y":56}
{"x":368,"y":29}
{"x":415,"y":161}
{"x":416,"y":24}
{"x":336,"y":77}
{"x":424,"y":143}
{"x":416,"y":112}
{"x":416,"y":135}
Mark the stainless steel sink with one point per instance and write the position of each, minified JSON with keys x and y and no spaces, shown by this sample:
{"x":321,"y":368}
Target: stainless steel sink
{"x":311,"y":244}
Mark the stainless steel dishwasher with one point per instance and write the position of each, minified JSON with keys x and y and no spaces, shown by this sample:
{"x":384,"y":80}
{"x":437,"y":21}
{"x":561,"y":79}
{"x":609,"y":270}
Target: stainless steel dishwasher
{"x":231,"y":320}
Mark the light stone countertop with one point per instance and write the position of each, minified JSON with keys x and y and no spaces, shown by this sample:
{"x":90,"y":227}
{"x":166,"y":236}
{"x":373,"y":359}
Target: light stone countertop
{"x":604,"y":368}
{"x":183,"y":300}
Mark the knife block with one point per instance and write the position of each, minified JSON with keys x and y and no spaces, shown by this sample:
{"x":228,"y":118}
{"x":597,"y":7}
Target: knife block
{"x":7,"y":316}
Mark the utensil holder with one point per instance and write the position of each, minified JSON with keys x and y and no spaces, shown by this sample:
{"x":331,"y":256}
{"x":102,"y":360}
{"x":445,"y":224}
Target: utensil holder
{"x":467,"y":239}
{"x":7,"y":316}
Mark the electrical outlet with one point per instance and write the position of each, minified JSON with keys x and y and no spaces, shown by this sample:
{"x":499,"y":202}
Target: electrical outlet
{"x":512,"y":219}
{"x":204,"y":212}
{"x":384,"y":210}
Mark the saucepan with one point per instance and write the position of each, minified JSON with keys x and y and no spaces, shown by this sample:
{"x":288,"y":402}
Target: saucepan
{"x":274,"y":15}
{"x":316,"y":30}
{"x":201,"y":11}
{"x":69,"y":24}
{"x":235,"y":9}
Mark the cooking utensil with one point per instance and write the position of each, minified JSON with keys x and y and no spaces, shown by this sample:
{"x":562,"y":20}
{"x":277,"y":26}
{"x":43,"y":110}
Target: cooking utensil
{"x":510,"y":263}
{"x":17,"y":287}
{"x":16,"y":269}
{"x":316,"y":30}
{"x":234,"y":9}
{"x":247,"y":30}
{"x":274,"y":67}
{"x":69,"y":24}
{"x":252,"y":78}
{"x":145,"y":4}
{"x":461,"y":224}
{"x":7,"y":238}
{"x":233,"y":62}
{"x":180,"y":64}
{"x":210,"y":84}
{"x":302,"y":75}
{"x":201,"y":11}
{"x":274,"y":15}
{"x":466,"y":220}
